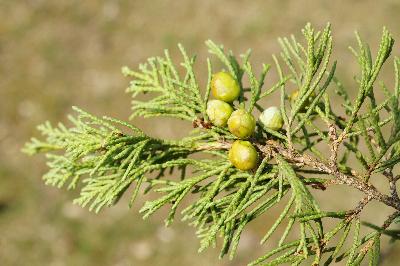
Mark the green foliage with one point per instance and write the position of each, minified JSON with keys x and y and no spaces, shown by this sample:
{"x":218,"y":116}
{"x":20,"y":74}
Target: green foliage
{"x":106,"y":158}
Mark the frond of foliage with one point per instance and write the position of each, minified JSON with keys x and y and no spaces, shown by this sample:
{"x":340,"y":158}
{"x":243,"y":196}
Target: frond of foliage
{"x":105,"y":158}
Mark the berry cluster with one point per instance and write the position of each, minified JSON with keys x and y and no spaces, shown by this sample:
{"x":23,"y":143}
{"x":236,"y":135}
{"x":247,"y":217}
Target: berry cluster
{"x":240,"y":122}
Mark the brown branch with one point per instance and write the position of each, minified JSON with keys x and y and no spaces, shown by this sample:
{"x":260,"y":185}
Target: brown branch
{"x":355,"y":180}
{"x":357,"y":210}
{"x":334,"y":146}
{"x":341,"y":178}
{"x":392,"y":183}
{"x":390,"y":220}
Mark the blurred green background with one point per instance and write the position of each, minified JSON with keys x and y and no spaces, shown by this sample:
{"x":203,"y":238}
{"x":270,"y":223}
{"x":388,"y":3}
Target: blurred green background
{"x":55,"y":54}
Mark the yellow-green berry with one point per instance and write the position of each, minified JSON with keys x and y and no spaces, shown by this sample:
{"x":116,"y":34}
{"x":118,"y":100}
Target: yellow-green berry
{"x":219,"y":112}
{"x":243,"y":155}
{"x":241,"y":124}
{"x":272,"y":118}
{"x":224,"y":87}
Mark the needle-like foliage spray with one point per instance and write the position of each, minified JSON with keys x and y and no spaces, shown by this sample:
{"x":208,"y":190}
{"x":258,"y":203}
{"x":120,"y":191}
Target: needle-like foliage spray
{"x":105,"y":158}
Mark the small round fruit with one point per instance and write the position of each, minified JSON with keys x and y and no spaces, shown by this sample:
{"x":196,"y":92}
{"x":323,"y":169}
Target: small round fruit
{"x":243,"y":155}
{"x":272,"y":118}
{"x":219,"y":112}
{"x":224,"y":87}
{"x":241,"y":124}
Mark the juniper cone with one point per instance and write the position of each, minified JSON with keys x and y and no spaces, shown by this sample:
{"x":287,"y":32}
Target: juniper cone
{"x":243,"y":155}
{"x":224,"y":87}
{"x":272,"y":118}
{"x":105,"y":158}
{"x":241,"y":124}
{"x":219,"y":112}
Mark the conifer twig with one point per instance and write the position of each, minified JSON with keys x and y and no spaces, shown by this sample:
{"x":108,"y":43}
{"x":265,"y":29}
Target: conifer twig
{"x":105,"y":158}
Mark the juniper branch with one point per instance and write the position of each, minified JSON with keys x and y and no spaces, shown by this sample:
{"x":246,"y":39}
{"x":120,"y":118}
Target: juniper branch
{"x":106,"y":158}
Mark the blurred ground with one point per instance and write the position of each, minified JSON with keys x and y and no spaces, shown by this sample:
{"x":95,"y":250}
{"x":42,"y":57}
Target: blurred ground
{"x":54,"y":54}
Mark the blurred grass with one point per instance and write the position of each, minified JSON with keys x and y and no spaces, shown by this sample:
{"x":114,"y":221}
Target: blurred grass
{"x":54,"y":54}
